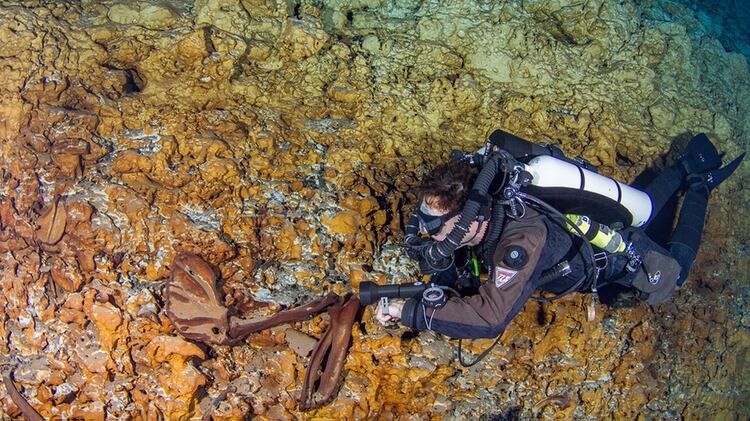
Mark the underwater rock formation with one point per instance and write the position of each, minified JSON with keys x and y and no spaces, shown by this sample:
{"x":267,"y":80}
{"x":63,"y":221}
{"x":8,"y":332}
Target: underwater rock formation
{"x":281,"y":143}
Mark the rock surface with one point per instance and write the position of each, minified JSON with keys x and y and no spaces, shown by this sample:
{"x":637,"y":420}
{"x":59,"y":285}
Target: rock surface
{"x":281,"y":142}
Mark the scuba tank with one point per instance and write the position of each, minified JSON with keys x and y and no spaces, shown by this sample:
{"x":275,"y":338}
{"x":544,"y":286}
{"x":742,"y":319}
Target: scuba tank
{"x":600,"y":235}
{"x":574,"y":186}
{"x":572,"y":189}
{"x":605,"y":238}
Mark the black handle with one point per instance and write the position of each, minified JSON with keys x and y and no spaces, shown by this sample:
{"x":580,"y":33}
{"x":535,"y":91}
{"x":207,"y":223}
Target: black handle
{"x":370,"y":292}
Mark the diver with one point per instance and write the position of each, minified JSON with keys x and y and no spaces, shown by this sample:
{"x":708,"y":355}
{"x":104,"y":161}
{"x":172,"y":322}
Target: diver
{"x":526,"y":245}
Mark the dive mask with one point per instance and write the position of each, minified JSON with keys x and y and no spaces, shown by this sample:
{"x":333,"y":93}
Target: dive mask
{"x":428,"y":222}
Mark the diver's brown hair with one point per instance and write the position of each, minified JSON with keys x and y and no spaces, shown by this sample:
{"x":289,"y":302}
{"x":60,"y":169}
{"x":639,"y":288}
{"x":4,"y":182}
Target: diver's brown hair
{"x":449,"y":183}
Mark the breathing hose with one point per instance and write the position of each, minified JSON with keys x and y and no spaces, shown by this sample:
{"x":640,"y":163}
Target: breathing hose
{"x":497,"y":223}
{"x":438,"y":255}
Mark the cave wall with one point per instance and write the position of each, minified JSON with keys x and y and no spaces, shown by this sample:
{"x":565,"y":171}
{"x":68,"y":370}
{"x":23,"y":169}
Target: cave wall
{"x":281,"y":141}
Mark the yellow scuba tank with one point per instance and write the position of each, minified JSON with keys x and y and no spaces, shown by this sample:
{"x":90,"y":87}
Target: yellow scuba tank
{"x":600,"y":235}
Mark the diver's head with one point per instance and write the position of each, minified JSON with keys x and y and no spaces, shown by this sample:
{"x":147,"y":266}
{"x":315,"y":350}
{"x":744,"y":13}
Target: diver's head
{"x":442,"y":196}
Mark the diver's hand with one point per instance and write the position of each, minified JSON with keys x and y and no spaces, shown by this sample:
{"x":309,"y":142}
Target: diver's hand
{"x":393,"y":314}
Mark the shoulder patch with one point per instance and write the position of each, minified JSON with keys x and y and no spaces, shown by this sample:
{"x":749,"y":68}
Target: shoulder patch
{"x":503,"y":276}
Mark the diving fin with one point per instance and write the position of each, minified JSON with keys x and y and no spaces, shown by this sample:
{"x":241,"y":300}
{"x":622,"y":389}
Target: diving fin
{"x":699,"y":156}
{"x":712,"y":179}
{"x":686,"y":238}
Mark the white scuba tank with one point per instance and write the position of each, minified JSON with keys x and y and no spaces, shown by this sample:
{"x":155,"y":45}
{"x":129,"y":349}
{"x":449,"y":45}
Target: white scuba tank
{"x":548,"y":171}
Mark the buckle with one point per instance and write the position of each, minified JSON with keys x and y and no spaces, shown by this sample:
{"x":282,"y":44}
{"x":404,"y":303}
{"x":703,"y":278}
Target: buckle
{"x":601,"y":259}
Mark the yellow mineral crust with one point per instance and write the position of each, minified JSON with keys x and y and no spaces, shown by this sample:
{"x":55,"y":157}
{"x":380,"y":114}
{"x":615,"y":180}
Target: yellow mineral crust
{"x":282,"y":143}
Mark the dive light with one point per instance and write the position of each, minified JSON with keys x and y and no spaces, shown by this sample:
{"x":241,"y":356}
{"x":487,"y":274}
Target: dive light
{"x":432,"y":295}
{"x":370,"y":292}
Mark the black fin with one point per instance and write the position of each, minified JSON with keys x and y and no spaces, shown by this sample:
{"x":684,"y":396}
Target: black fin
{"x":712,"y":179}
{"x":700,"y":155}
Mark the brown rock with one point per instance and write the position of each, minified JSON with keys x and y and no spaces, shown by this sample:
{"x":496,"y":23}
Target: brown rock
{"x":70,"y":147}
{"x":85,"y":259}
{"x":51,"y":223}
{"x":94,"y":360}
{"x":66,"y":274}
{"x":300,"y":343}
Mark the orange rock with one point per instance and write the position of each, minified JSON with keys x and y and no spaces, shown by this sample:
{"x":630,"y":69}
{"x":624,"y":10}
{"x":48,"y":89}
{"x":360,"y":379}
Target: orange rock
{"x":162,"y":348}
{"x":92,"y":411}
{"x":181,"y":380}
{"x":130,"y":162}
{"x":368,"y":205}
{"x":286,"y":244}
{"x":344,"y":222}
{"x":356,"y":275}
{"x":85,"y":260}
{"x":66,"y":274}
{"x":107,"y":319}
{"x":69,"y":165}
{"x":362,"y":190}
{"x":303,"y":37}
{"x":550,"y":345}
{"x":379,"y":218}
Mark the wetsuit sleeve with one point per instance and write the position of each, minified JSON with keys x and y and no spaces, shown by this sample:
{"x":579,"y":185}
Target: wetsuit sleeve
{"x":486,"y":314}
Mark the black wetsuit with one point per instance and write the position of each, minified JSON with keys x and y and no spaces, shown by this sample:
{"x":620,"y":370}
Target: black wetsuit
{"x":497,"y":301}
{"x":487,"y":313}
